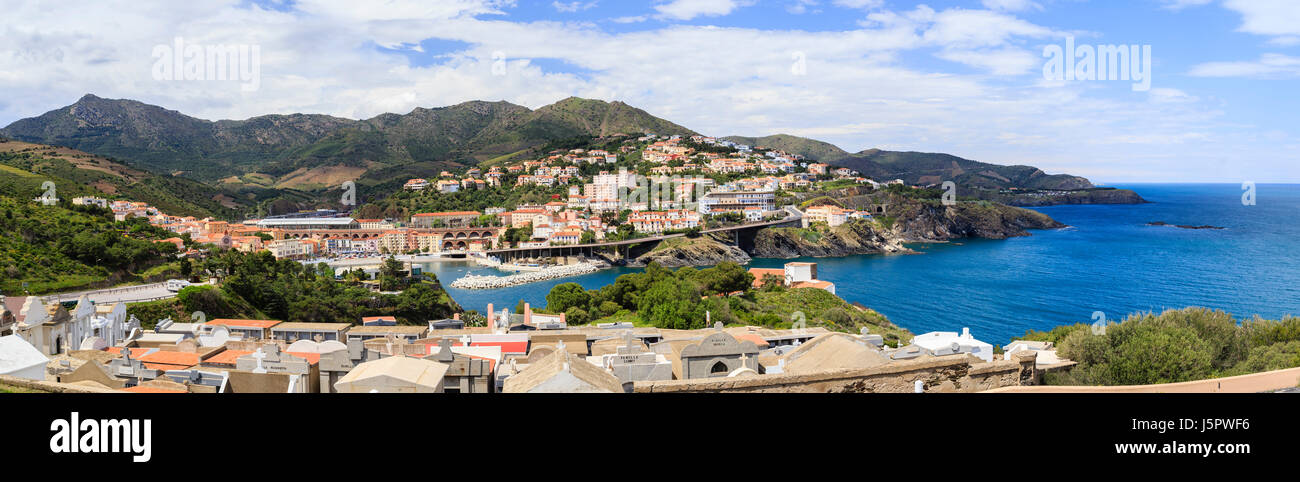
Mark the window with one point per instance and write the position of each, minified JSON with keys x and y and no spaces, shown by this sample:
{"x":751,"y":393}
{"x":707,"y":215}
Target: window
{"x":719,"y":367}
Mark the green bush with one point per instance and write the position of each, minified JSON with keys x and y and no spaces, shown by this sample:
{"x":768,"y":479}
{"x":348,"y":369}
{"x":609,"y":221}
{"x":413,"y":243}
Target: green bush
{"x":1174,"y":346}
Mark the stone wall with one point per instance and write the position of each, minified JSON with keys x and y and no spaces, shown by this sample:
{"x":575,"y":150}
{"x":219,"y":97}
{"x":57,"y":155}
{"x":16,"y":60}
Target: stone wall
{"x":946,"y":374}
{"x":52,"y":387}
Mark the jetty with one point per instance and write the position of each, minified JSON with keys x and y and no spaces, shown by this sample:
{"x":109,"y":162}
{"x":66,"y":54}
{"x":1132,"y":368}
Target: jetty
{"x":549,"y":273}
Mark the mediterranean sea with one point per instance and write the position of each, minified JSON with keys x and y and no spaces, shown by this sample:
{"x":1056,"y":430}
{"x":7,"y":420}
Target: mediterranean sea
{"x":1109,"y":260}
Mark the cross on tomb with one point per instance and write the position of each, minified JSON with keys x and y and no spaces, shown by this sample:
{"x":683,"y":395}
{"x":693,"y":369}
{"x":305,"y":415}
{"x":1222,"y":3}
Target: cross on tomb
{"x":259,"y":355}
{"x":444,"y":350}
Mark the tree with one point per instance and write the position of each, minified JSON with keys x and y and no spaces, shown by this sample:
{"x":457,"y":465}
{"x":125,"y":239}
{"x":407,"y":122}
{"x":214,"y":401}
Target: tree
{"x":772,"y":283}
{"x":577,"y":316}
{"x":726,"y":277}
{"x":390,"y":274}
{"x":670,"y":303}
{"x":567,"y":295}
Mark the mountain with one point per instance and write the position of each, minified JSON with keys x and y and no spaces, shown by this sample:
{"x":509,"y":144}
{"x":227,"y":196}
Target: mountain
{"x":922,"y":168}
{"x":75,"y":173}
{"x":809,"y":148}
{"x":919,"y":167}
{"x":279,"y":145}
{"x":274,"y":162}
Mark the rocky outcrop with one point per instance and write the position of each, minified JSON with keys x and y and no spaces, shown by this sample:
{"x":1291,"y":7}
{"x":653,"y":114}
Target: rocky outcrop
{"x":924,"y":222}
{"x":859,"y":237}
{"x":1054,"y":198}
{"x":1185,"y":226}
{"x":701,"y":251}
{"x":908,"y":221}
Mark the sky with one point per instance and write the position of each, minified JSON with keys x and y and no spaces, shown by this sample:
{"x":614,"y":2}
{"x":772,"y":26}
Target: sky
{"x":970,"y":78}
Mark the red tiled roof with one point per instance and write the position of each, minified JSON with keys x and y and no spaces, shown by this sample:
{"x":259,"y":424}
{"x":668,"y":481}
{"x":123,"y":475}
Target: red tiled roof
{"x":506,"y":346}
{"x":312,"y":358}
{"x":759,"y":273}
{"x":758,"y":340}
{"x":226,"y":357}
{"x":135,"y":352}
{"x":174,"y":358}
{"x":166,"y":366}
{"x":813,"y":284}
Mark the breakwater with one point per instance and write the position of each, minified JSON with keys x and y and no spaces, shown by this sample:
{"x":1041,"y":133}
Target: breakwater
{"x":494,"y":282}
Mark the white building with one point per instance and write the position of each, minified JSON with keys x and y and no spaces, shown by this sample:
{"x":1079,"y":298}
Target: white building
{"x":948,"y":343}
{"x":18,"y":358}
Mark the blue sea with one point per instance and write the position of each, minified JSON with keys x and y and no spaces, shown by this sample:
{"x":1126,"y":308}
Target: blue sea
{"x":1108,"y":260}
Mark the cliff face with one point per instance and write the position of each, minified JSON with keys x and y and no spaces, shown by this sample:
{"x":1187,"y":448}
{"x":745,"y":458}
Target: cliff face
{"x":844,"y":240}
{"x":907,"y":221}
{"x":702,"y":251}
{"x":927,"y":223}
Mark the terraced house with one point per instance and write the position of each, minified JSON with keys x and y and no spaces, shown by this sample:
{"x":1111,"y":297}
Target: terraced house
{"x":660,"y":221}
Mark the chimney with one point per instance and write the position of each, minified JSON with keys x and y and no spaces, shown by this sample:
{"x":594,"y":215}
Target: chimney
{"x":528,"y":314}
{"x":490,"y":321}
{"x":455,"y":316}
{"x":562,"y":320}
{"x":965,"y":332}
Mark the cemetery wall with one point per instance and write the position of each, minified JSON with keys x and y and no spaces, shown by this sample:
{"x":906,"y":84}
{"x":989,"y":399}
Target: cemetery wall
{"x":946,"y":374}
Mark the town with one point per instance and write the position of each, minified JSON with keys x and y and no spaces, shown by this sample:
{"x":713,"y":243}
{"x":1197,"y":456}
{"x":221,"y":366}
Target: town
{"x":98,"y":348}
{"x":636,"y":189}
{"x":678,"y":189}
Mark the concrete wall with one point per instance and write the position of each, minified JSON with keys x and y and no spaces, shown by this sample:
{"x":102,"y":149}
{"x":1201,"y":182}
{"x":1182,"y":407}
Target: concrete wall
{"x":947,"y":374}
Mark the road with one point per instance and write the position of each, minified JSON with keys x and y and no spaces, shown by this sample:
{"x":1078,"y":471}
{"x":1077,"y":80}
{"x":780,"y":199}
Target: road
{"x":127,"y":294}
{"x":794,"y":216}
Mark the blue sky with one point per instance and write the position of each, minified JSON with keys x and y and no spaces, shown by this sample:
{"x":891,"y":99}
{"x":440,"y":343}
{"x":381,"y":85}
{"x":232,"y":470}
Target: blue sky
{"x":963,"y":77}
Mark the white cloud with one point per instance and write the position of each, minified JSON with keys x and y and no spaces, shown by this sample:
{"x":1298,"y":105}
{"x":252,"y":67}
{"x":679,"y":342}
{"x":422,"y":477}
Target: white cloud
{"x":863,"y":4}
{"x":800,"y":7}
{"x":630,"y":19}
{"x":571,"y":7}
{"x":1181,"y":4}
{"x":1284,"y":41}
{"x":1003,"y":61}
{"x":1267,"y":17}
{"x":1268,"y":65}
{"x":1012,"y":5}
{"x":689,"y":9}
{"x":1165,"y":94}
{"x":859,"y":91}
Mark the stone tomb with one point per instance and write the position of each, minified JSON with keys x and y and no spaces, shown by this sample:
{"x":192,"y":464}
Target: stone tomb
{"x":633,"y":362}
{"x":719,"y":355}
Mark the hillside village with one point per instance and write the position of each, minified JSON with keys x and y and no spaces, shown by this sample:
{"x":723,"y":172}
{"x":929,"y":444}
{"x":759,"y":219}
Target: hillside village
{"x":650,"y":185}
